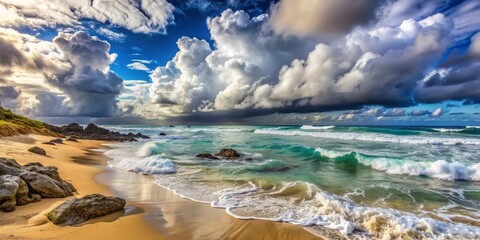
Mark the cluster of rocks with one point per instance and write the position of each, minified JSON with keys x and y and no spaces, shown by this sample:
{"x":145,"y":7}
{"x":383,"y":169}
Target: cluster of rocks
{"x":74,"y":131}
{"x":225,"y":153}
{"x":79,"y":210}
{"x":20,"y":185}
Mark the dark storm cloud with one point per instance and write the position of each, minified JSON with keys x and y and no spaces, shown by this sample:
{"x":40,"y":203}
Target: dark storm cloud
{"x":317,"y":18}
{"x":92,"y":88}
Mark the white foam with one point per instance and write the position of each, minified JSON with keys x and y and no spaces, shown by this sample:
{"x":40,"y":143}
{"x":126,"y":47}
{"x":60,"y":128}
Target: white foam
{"x":374,"y":137}
{"x":440,"y":169}
{"x":147,"y":149}
{"x":327,"y":210}
{"x":148,"y":165}
{"x":472,"y":126}
{"x":448,"y":129}
{"x":310,"y":127}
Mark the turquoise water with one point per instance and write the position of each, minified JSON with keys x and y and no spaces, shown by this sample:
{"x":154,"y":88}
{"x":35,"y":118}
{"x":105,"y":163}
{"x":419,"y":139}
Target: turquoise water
{"x":365,"y":182}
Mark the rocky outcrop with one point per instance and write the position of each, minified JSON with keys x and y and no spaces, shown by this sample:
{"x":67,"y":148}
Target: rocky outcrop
{"x":207,"y":155}
{"x":79,"y":210}
{"x":228,"y":153}
{"x":20,"y":185}
{"x":37,"y":150}
{"x":74,"y":131}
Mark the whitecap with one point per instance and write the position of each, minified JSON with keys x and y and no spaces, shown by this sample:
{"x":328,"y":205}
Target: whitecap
{"x":310,"y":127}
{"x":374,"y":137}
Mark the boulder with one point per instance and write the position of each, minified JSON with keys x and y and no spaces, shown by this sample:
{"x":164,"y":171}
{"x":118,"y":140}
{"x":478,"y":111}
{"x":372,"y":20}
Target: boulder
{"x":57,"y":140}
{"x":207,"y":155}
{"x":171,"y":126}
{"x":48,"y":143}
{"x":49,"y":171}
{"x":9,"y":187}
{"x":9,"y":167}
{"x":23,"y":196}
{"x":37,"y":150}
{"x":228,"y":153}
{"x":71,"y":139}
{"x":79,"y":210}
{"x":46,"y":186}
{"x":162,"y":134}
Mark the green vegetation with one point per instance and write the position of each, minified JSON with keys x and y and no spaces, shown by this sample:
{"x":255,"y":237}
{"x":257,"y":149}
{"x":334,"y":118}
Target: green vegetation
{"x":13,"y":124}
{"x":8,"y":116}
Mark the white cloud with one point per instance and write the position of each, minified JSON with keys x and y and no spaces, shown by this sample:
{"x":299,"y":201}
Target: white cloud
{"x":144,"y":16}
{"x":138,"y":66}
{"x":114,"y":36}
{"x":437,"y":113}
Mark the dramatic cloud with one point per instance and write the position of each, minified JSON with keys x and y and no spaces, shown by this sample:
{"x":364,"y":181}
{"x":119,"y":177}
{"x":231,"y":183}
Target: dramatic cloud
{"x":90,"y":85}
{"x":144,"y":16}
{"x":203,"y":79}
{"x":317,"y":18}
{"x":253,"y":70}
{"x":69,"y":76}
{"x":456,"y":79}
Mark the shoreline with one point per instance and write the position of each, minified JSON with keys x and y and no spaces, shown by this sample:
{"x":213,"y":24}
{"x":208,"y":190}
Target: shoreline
{"x":182,"y":218}
{"x":152,"y":211}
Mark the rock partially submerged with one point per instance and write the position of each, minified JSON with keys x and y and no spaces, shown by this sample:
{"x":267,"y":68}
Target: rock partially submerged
{"x":162,"y":134}
{"x":74,"y":131}
{"x":20,"y":185}
{"x":79,"y":210}
{"x":207,"y":155}
{"x":228,"y":153}
{"x":37,"y":150}
{"x":225,"y":153}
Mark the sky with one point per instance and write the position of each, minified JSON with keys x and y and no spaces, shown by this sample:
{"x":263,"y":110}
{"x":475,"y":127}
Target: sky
{"x":375,"y":62}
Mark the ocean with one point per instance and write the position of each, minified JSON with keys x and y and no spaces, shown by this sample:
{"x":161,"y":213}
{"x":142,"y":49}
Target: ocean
{"x":363,"y":182}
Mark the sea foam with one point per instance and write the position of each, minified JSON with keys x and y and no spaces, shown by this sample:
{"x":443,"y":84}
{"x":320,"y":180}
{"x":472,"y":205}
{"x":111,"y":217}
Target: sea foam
{"x":310,"y":127}
{"x":440,"y":169}
{"x":318,"y":208}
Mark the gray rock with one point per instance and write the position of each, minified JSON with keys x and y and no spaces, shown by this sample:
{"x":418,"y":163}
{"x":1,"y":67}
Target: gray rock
{"x":9,"y":167}
{"x":23,"y":196}
{"x":57,"y":140}
{"x":79,"y":210}
{"x":71,"y":139}
{"x":37,"y":150}
{"x":46,"y":186}
{"x":8,"y":188}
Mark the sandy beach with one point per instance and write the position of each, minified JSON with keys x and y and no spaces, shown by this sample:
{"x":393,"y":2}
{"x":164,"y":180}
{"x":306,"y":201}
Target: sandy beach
{"x":152,"y":212}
